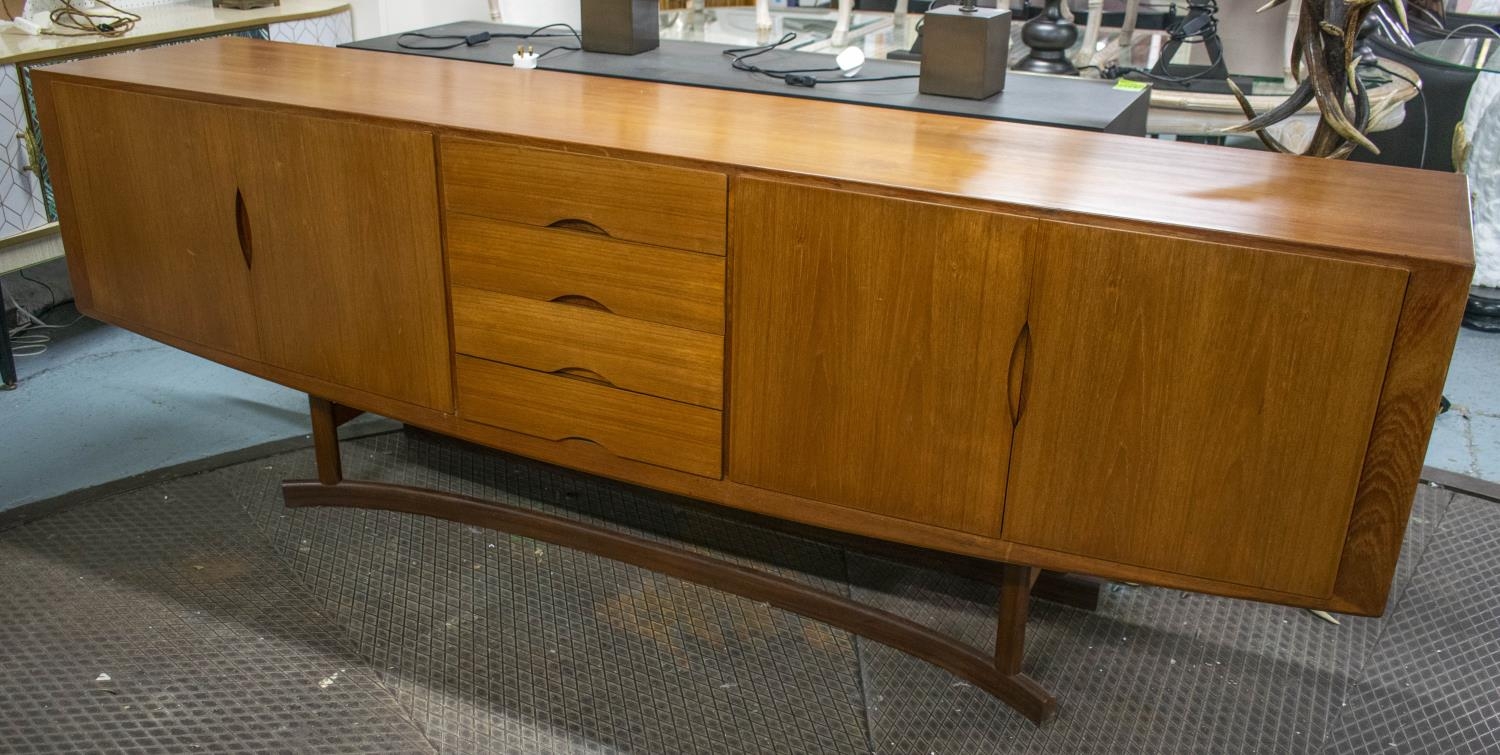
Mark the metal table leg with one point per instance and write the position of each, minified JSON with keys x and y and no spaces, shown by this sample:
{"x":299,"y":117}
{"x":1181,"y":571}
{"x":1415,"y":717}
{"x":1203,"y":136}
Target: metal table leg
{"x":7,"y":359}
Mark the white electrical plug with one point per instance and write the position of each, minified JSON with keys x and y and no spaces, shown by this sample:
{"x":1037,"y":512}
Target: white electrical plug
{"x":850,"y":61}
{"x":524,"y":58}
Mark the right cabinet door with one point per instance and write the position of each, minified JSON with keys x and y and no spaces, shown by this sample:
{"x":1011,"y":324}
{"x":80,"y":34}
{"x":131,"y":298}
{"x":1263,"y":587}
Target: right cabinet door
{"x":1197,"y":408}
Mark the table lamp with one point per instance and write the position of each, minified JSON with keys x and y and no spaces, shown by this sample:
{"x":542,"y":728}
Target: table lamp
{"x":621,"y":27}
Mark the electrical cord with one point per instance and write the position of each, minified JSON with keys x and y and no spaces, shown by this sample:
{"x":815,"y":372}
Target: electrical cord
{"x":51,"y":292}
{"x":1208,"y":26}
{"x":797,"y":77}
{"x":26,"y":343}
{"x":1421,"y":97}
{"x":1113,"y":71}
{"x":89,"y":23}
{"x":453,"y":41}
{"x":1460,"y":28}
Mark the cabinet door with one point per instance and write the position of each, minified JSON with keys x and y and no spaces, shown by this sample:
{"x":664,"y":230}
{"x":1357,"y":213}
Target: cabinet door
{"x":342,"y":223}
{"x":1197,"y":408}
{"x":152,"y":180}
{"x":871,"y":342}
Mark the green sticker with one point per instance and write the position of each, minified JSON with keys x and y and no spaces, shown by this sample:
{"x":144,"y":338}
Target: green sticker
{"x":1130,"y":86}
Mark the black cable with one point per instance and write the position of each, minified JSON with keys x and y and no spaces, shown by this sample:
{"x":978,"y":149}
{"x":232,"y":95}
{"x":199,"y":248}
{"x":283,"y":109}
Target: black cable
{"x":737,"y":60}
{"x":798,"y":77}
{"x":453,"y":41}
{"x":1122,"y":70}
{"x":1426,"y":119}
{"x":1209,"y":27}
{"x":574,"y":32}
{"x":861,"y":80}
{"x":558,"y":49}
{"x":51,"y":293}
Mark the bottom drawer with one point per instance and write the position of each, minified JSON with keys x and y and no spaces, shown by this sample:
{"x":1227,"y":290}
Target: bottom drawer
{"x":555,"y":407}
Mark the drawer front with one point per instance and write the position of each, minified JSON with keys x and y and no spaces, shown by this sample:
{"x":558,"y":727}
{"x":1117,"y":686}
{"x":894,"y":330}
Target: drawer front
{"x":629,"y":425}
{"x":631,"y":280}
{"x":680,"y":208}
{"x":634,"y":355}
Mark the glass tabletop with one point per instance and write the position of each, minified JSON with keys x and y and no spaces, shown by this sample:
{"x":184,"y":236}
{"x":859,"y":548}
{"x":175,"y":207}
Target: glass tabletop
{"x":1474,"y":52}
{"x":736,"y":26}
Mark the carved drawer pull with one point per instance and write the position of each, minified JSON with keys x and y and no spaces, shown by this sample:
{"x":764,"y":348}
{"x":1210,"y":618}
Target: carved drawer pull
{"x":578,"y":300}
{"x":583,"y":373}
{"x":577,"y":224}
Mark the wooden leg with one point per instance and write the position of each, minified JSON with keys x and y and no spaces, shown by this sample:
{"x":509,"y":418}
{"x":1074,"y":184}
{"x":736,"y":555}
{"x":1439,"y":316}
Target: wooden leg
{"x":1015,"y":606}
{"x":998,"y":674}
{"x":326,"y":418}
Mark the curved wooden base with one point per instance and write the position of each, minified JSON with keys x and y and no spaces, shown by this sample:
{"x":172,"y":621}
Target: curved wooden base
{"x":1000,"y":674}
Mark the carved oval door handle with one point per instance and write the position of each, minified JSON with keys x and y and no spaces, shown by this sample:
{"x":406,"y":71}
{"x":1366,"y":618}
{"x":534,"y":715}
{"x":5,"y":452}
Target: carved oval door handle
{"x":1019,"y":377}
{"x":242,"y":227}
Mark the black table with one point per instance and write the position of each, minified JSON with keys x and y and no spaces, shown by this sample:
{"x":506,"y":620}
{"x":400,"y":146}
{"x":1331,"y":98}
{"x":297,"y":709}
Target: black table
{"x":1068,"y":102}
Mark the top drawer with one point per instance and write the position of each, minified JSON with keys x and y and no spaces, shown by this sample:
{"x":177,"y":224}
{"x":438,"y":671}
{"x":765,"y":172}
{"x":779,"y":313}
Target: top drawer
{"x":644,"y":202}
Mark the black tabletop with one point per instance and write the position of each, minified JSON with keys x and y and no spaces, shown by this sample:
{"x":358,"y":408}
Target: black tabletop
{"x":1049,"y":100}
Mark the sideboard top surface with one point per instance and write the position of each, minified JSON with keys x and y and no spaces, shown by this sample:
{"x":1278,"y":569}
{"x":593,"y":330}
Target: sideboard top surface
{"x":1378,"y":210}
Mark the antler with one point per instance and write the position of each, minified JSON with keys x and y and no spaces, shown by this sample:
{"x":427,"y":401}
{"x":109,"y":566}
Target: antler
{"x":1324,"y":46}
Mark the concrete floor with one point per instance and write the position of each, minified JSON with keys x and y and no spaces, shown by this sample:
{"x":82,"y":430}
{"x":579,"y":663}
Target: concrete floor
{"x":102,"y":404}
{"x":1467,"y":439}
{"x":199,"y":614}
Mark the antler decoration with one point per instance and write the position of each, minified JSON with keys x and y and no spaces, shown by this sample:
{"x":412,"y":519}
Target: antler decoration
{"x":1324,"y":46}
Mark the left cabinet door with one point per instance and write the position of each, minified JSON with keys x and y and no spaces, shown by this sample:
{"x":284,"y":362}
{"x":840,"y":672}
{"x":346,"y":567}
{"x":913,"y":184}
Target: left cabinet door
{"x":341,"y":220}
{"x":152,"y":181}
{"x":307,"y":244}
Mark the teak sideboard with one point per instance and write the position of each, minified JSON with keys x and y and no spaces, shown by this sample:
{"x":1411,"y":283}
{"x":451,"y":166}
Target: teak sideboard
{"x":1182,"y":365}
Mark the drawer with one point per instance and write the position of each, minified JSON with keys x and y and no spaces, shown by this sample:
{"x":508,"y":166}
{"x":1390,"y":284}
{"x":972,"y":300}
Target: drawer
{"x":680,"y":208}
{"x":554,"y":407}
{"x":634,"y":355}
{"x":632,"y":280}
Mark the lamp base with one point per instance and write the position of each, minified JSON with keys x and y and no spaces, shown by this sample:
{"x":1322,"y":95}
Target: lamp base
{"x":1049,"y":36}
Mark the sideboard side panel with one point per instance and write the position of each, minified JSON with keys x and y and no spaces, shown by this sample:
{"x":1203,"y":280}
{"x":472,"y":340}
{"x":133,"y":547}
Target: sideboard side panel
{"x":1423,"y":347}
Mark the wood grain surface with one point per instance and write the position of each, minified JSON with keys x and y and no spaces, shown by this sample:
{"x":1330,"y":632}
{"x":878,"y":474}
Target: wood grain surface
{"x":348,"y":265}
{"x":630,"y":201}
{"x":1194,"y":189}
{"x":1167,"y":363}
{"x":630,"y":280}
{"x":160,"y":256}
{"x":557,"y":408}
{"x":871,"y":344}
{"x":1198,"y":408}
{"x":1420,"y":354}
{"x":634,"y":355}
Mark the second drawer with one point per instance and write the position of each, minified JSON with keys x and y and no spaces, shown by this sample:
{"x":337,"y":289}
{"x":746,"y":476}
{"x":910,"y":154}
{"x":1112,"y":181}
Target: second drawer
{"x":632,"y":280}
{"x":634,"y":355}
